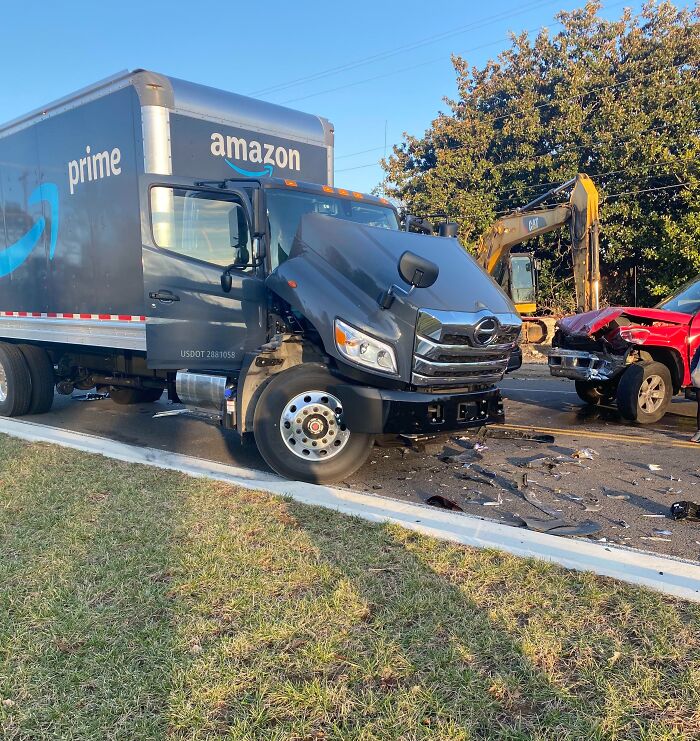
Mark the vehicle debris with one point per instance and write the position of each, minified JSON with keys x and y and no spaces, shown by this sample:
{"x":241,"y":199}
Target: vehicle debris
{"x":654,"y":467}
{"x":443,"y":503}
{"x":585,"y":453}
{"x":90,"y":397}
{"x":560,"y":527}
{"x":497,"y":433}
{"x":685,"y":511}
{"x":662,"y":532}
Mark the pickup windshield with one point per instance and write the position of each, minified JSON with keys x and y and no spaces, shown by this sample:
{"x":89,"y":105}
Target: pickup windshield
{"x":285,"y":209}
{"x":686,"y":299}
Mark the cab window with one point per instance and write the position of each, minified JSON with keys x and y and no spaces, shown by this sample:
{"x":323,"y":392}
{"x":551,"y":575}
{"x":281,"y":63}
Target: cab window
{"x":205,"y":226}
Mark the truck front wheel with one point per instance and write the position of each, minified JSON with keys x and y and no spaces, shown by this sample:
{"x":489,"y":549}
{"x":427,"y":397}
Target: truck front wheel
{"x":299,"y":428}
{"x":644,"y":392}
{"x":15,"y":382}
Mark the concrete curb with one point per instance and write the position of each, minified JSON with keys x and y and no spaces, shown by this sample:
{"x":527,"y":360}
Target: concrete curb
{"x":661,"y":573}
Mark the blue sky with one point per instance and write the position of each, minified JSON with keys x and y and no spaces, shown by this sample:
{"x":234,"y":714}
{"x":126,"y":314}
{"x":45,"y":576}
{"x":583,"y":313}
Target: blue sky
{"x":372,"y":68}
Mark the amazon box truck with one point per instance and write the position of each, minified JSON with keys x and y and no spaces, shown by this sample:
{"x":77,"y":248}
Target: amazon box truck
{"x":162,"y":236}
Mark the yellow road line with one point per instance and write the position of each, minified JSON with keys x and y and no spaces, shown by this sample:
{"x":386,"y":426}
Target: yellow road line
{"x":615,"y":437}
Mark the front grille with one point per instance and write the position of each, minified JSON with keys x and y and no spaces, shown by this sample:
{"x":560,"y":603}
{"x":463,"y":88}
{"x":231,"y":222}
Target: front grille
{"x":450,"y":349}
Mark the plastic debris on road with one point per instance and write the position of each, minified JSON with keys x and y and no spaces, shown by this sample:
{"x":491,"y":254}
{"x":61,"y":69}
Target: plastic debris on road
{"x":585,"y":453}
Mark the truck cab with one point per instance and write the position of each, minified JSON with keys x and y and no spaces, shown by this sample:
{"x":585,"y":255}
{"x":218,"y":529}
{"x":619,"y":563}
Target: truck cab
{"x":306,"y":317}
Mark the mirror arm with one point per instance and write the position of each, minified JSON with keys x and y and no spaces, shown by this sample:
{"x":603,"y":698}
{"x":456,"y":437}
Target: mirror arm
{"x":387,"y":298}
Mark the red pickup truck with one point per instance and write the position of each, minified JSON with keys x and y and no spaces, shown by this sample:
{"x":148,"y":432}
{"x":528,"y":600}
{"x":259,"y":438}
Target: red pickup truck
{"x":638,"y":357}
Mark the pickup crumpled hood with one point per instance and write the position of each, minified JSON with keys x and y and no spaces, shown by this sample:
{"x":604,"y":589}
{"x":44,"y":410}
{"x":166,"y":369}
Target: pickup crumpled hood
{"x":340,"y":268}
{"x":588,"y":324}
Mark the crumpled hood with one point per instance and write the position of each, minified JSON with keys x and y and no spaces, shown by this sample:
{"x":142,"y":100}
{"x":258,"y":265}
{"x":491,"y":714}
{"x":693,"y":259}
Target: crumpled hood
{"x":339,"y":268}
{"x":591,"y":322}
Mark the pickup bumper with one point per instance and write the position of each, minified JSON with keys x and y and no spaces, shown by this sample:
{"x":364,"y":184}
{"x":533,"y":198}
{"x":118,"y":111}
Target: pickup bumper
{"x":382,"y":411}
{"x":580,"y":365}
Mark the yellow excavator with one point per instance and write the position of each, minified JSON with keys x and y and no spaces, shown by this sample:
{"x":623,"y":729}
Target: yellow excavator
{"x":516,"y":272}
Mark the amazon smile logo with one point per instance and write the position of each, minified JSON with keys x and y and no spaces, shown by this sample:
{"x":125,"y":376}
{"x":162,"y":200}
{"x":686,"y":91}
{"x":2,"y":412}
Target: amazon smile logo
{"x":14,"y":255}
{"x":263,"y":156}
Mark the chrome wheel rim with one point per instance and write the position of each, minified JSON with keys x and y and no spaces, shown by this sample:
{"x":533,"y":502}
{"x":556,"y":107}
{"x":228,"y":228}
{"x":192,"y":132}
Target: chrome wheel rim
{"x":3,"y":384}
{"x":652,"y":393}
{"x":312,"y":426}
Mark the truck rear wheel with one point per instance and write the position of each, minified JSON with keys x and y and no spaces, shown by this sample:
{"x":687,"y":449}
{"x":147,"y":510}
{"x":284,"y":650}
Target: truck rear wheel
{"x":15,"y":382}
{"x":644,"y":392}
{"x":299,"y":428}
{"x":125,"y":396}
{"x":42,"y":378}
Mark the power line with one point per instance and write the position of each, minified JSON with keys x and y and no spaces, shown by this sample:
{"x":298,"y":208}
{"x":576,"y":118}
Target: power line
{"x":362,"y":151}
{"x":504,"y":15}
{"x":398,"y":71}
{"x":646,"y":190}
{"x":570,"y":148}
{"x":422,"y":64}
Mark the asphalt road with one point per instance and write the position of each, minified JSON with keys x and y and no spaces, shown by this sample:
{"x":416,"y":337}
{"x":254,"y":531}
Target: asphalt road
{"x":615,"y":489}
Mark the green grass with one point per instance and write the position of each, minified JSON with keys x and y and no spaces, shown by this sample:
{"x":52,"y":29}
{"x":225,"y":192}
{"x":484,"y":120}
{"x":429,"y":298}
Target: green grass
{"x":140,"y":604}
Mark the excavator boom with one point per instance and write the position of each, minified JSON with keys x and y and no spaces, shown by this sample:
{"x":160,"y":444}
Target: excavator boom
{"x":580,"y":214}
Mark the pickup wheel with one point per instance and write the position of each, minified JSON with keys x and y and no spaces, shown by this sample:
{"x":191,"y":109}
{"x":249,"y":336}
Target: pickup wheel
{"x":15,"y":382}
{"x":42,"y":378}
{"x":593,"y":393}
{"x":124,"y":396}
{"x":299,"y":428}
{"x":644,"y":392}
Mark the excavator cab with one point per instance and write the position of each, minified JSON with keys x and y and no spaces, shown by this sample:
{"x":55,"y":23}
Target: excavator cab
{"x":523,"y":283}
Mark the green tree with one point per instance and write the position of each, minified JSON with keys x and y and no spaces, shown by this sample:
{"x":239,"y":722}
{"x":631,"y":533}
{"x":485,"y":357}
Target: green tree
{"x":618,"y":100}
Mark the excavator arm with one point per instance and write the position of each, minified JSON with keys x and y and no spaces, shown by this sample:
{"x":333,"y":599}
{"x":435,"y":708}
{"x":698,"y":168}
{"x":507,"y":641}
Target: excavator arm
{"x":580,"y":214}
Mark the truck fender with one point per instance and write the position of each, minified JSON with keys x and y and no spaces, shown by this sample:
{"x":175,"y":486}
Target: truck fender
{"x":260,"y":366}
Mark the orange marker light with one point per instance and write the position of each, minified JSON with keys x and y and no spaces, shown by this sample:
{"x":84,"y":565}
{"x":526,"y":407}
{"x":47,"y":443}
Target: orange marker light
{"x":357,"y":195}
{"x":291,"y":183}
{"x":384,"y":200}
{"x":292,"y":283}
{"x":340,"y":337}
{"x":342,"y":192}
{"x":327,"y":189}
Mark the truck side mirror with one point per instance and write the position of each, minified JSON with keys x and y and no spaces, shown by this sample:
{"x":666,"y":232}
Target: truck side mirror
{"x":417,"y":224}
{"x":417,"y":271}
{"x":259,"y":213}
{"x":448,"y":229}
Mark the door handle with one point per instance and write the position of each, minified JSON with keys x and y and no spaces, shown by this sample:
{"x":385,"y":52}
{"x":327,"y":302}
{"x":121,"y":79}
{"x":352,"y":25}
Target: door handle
{"x":166,"y":297}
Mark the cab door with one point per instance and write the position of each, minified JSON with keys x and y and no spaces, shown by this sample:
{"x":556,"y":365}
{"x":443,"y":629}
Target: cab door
{"x":191,"y":235}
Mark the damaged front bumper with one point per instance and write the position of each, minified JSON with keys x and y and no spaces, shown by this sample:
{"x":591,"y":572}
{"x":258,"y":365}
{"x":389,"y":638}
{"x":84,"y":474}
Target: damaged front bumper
{"x":383,"y":411}
{"x":581,"y":365}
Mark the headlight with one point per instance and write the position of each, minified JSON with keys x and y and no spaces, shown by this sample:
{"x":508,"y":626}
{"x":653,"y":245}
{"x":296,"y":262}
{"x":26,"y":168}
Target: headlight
{"x":361,"y":349}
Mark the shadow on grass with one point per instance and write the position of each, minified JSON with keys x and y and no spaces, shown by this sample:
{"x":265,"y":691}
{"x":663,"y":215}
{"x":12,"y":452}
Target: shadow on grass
{"x":86,"y":635}
{"x":138,"y":604}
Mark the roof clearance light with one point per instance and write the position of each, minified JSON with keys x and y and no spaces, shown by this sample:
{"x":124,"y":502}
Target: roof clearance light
{"x":342,"y":192}
{"x":291,"y":183}
{"x":384,"y":200}
{"x":357,"y":195}
{"x":327,"y":189}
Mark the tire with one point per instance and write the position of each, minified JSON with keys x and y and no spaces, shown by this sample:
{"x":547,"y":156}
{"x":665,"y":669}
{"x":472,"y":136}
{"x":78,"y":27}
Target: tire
{"x":125,"y":396}
{"x":639,"y":380}
{"x":286,"y":395}
{"x":15,"y":382}
{"x":42,"y":378}
{"x":592,"y":393}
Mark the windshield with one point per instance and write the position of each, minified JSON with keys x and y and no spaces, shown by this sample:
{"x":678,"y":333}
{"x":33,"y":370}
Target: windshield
{"x":522,"y":280}
{"x":285,"y":209}
{"x":686,"y":299}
